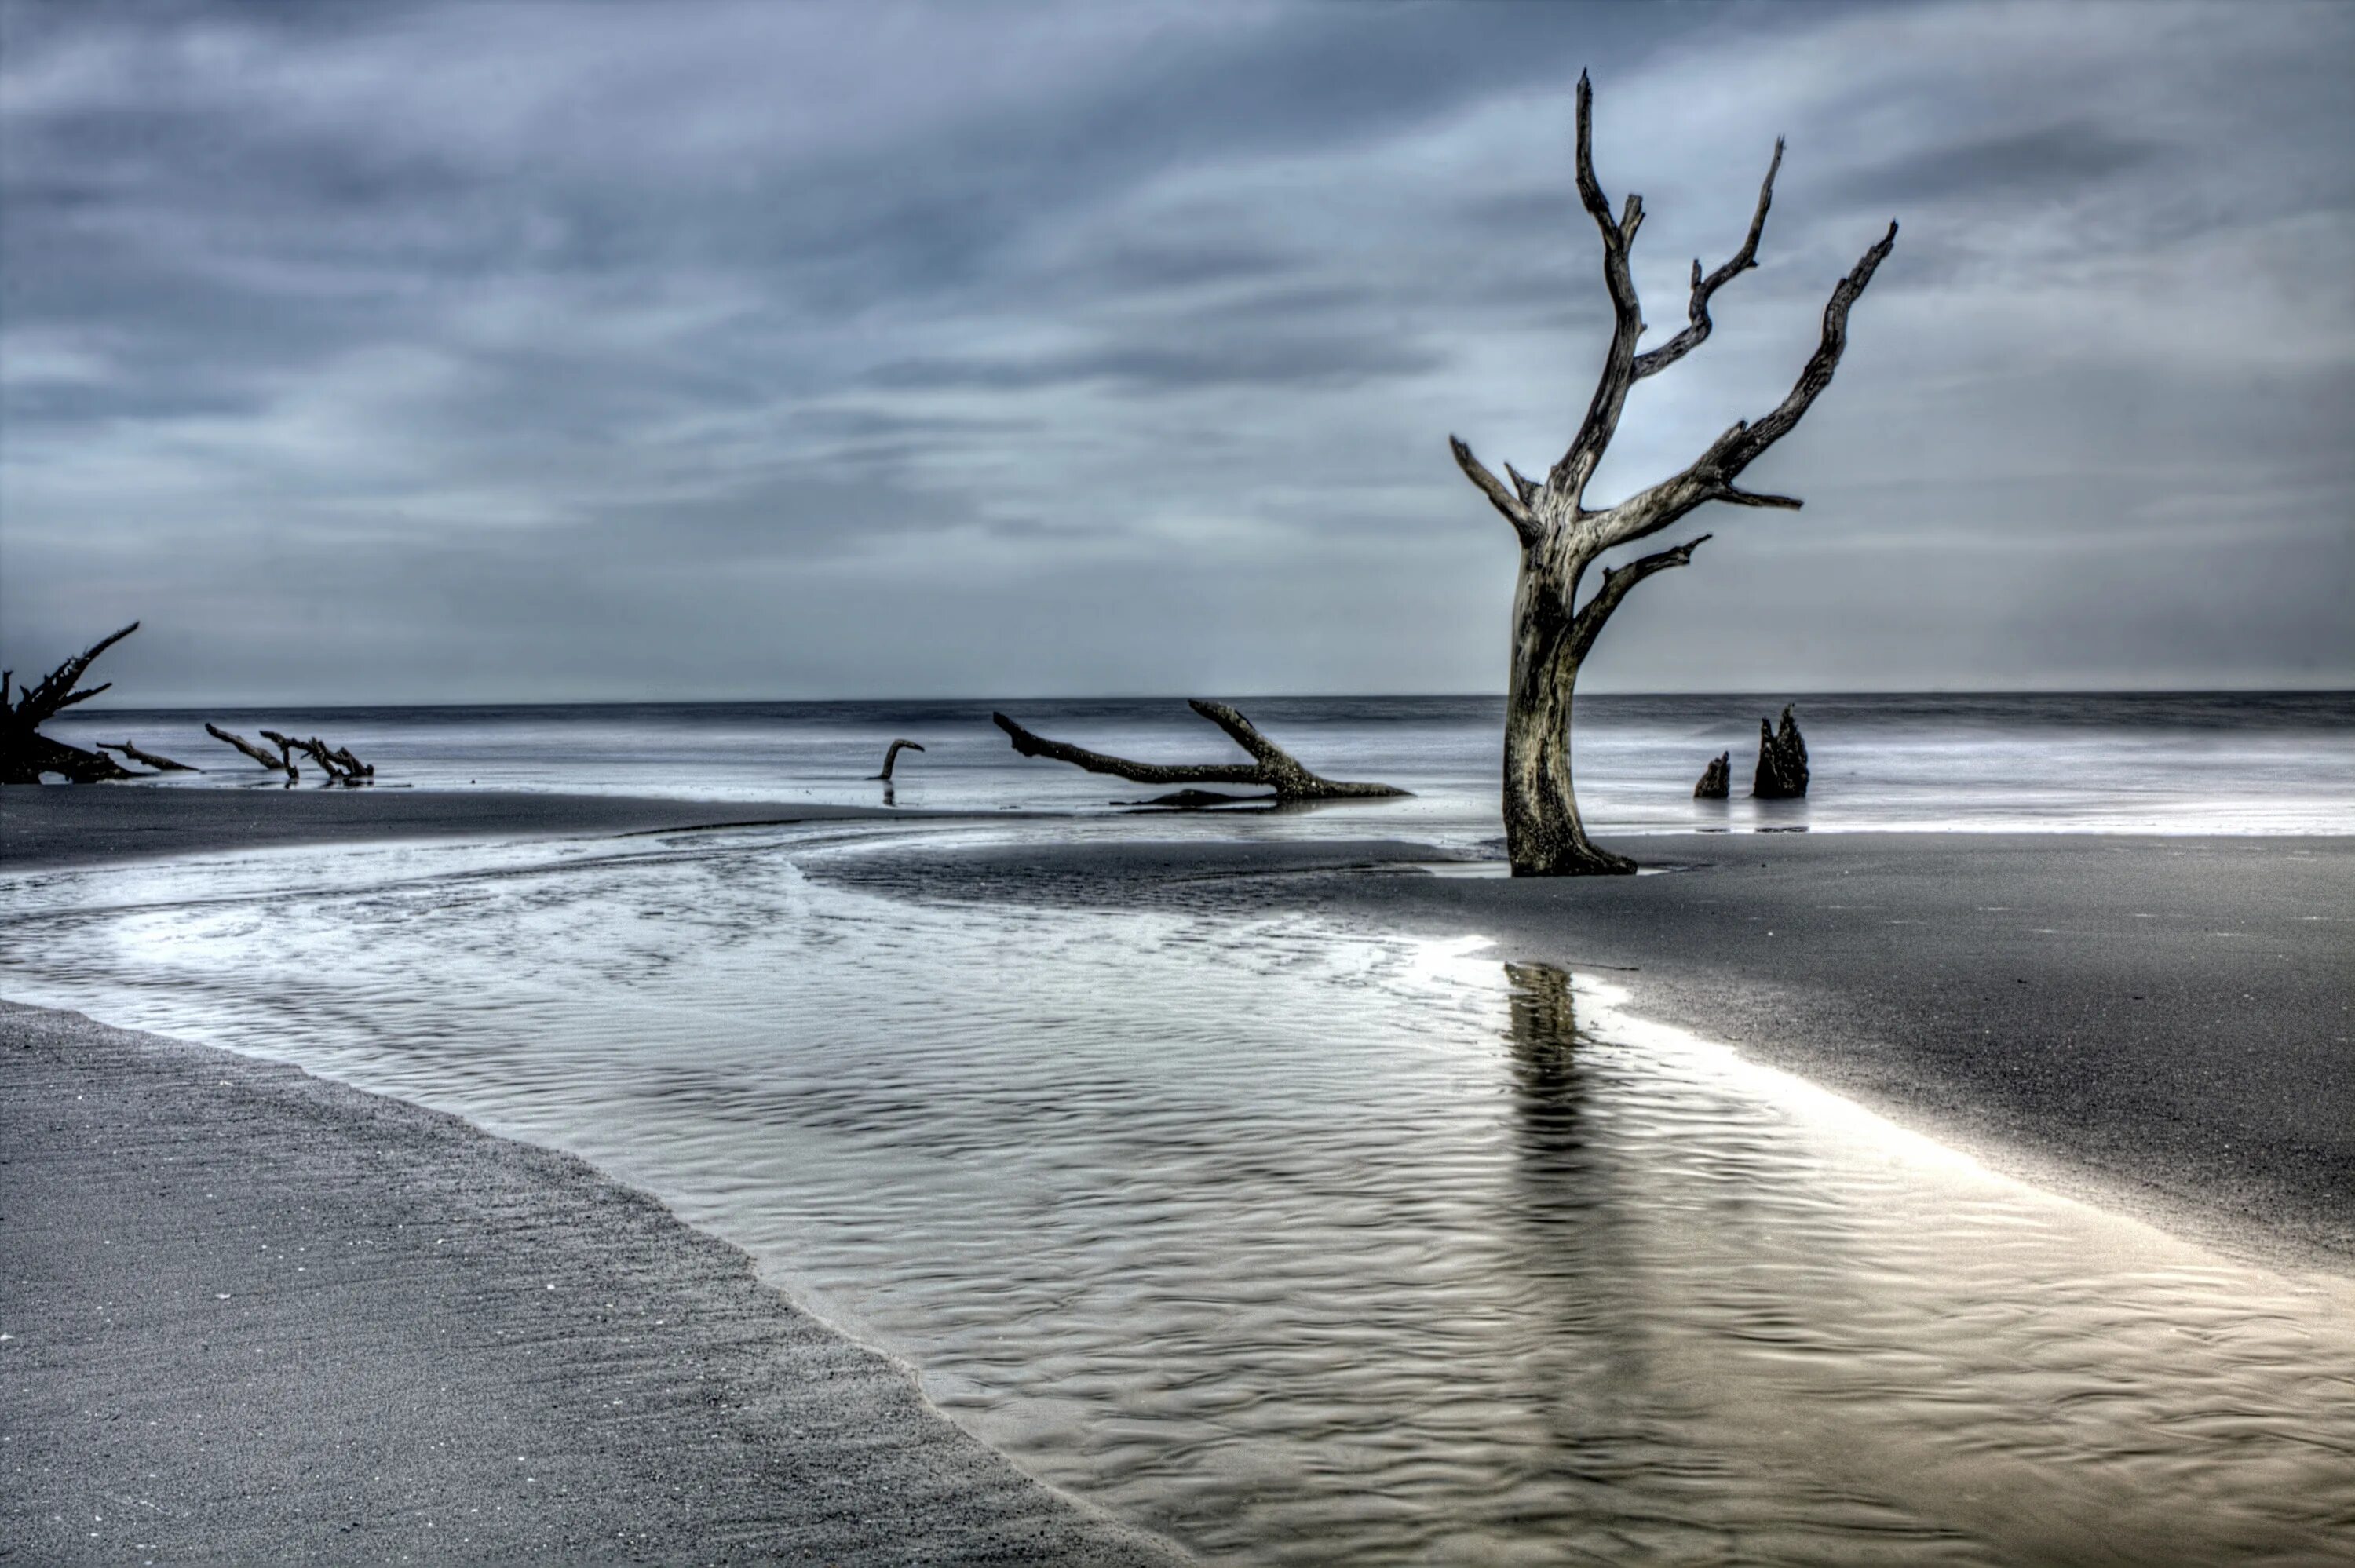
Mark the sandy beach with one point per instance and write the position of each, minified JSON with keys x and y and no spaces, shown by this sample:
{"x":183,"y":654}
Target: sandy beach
{"x":251,"y":1316}
{"x":253,"y":1313}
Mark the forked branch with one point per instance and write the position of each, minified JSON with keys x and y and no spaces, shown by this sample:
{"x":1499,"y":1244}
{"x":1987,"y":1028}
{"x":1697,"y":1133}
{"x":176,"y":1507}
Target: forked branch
{"x":1711,"y":475}
{"x":1270,"y":766}
{"x":1566,"y":481}
{"x":1617,"y":582}
{"x":1697,"y":324}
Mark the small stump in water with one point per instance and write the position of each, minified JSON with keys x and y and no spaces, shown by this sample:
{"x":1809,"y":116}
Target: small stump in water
{"x":1716,"y":780}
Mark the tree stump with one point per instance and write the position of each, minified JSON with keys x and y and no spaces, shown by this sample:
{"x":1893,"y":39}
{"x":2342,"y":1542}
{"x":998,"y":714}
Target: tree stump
{"x":1782,"y":761}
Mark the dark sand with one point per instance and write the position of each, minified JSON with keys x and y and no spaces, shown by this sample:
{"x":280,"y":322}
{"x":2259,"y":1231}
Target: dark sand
{"x":62,"y":825}
{"x":254,"y":1317}
{"x":2162,"y":1022}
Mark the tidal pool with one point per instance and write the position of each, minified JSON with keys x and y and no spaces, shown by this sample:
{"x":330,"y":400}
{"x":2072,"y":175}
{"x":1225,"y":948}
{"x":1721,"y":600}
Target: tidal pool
{"x":1294,"y":1243}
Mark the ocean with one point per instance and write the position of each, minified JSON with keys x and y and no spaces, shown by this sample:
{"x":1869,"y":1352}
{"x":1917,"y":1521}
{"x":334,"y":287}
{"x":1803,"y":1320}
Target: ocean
{"x":2143,"y":762}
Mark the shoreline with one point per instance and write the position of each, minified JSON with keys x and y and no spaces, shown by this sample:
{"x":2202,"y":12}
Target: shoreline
{"x":256,"y":1315}
{"x":63,"y":827}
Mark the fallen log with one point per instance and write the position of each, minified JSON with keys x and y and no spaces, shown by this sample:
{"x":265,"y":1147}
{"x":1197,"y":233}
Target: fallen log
{"x":25,"y":753}
{"x":1270,"y":766}
{"x":144,"y":758}
{"x":275,"y":764}
{"x":891,"y":759}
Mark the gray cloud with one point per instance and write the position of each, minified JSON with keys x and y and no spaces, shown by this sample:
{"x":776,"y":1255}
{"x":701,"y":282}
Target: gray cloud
{"x":515,"y":349}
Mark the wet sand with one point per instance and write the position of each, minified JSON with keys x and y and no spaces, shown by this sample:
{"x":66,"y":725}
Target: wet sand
{"x":60,"y":825}
{"x":250,"y":1315}
{"x":2162,"y":1023}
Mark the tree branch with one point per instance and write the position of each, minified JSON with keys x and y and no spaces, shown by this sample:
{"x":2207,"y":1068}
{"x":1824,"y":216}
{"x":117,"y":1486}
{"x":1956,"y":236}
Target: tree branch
{"x":1711,"y":475}
{"x":41,"y":703}
{"x":1733,"y":497}
{"x":145,"y":759}
{"x":1765,"y":432}
{"x":1696,"y":309}
{"x":275,"y":764}
{"x":1515,"y":508}
{"x":1566,"y":479}
{"x":1617,"y":582}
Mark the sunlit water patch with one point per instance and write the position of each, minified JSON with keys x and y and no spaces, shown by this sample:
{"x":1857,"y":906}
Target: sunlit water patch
{"x":1298,"y":1245}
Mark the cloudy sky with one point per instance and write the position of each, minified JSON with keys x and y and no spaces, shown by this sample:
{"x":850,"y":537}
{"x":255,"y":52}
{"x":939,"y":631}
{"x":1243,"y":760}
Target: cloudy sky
{"x":501,"y":350}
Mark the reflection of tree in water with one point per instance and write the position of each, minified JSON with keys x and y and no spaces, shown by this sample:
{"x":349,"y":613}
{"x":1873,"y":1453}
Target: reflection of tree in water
{"x":1587,"y":1358}
{"x":1544,"y":1037}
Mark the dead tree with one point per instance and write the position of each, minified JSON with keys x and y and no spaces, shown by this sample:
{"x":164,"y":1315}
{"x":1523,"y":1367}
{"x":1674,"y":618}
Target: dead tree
{"x":1271,"y":766}
{"x":144,"y":758}
{"x":25,"y":753}
{"x":1560,"y":537}
{"x":891,"y":759}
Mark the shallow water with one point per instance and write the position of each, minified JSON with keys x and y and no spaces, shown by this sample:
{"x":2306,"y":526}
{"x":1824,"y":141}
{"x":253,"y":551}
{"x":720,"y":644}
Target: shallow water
{"x":1298,"y":1245}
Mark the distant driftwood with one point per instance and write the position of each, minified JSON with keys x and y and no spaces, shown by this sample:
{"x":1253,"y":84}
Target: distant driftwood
{"x":144,"y":758}
{"x":891,"y":759}
{"x":280,"y":764}
{"x":336,"y":762}
{"x":1782,"y":761}
{"x":25,"y":753}
{"x":1270,"y":766}
{"x":1716,"y":780}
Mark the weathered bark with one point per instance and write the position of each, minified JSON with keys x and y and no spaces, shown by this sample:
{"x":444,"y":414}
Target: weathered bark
{"x":891,"y":757}
{"x":1560,"y":537}
{"x":1716,"y":780}
{"x":25,"y":753}
{"x":1271,"y":766}
{"x":275,"y":764}
{"x":1782,"y":761}
{"x":144,"y":758}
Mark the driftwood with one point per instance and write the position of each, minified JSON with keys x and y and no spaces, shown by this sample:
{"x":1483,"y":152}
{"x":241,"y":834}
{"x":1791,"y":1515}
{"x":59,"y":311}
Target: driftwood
{"x":337,"y":764}
{"x":280,"y":764}
{"x":1782,"y":761}
{"x":1716,"y":780}
{"x":891,"y":759}
{"x":1271,"y":766}
{"x":25,"y":753}
{"x":144,"y":758}
{"x":1560,"y":537}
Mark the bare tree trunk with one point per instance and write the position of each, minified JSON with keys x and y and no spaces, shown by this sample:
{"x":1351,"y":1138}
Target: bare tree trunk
{"x":1560,"y":537}
{"x":1543,"y":835}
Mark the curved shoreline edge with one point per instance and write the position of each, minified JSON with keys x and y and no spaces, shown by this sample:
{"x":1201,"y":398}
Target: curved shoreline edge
{"x":254,"y":1315}
{"x":2162,"y":1025}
